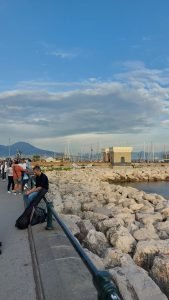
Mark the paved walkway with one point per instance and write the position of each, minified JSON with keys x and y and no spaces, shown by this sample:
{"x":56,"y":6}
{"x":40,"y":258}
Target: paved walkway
{"x":63,"y":274}
{"x":16,"y":274}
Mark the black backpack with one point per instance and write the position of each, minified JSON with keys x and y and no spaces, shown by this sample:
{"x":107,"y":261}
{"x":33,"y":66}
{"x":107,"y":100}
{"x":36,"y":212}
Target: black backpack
{"x":27,"y":217}
{"x":38,"y":216}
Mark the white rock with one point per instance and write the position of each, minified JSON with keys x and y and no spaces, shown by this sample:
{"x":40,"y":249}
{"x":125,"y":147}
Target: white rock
{"x":116,"y":258}
{"x":134,"y":283}
{"x":97,"y":261}
{"x":104,"y":225}
{"x":148,"y":218}
{"x":85,"y":226}
{"x":165,"y":212}
{"x":127,"y":218}
{"x":96,"y":242}
{"x":163,"y":226}
{"x":136,"y":207}
{"x":147,"y":250}
{"x":146,"y":233}
{"x":93,"y":217}
{"x":120,"y":238}
{"x":71,"y":222}
{"x":160,"y":272}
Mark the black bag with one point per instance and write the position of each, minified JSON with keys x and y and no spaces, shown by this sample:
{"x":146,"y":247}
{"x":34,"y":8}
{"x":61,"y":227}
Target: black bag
{"x":24,"y":220}
{"x":38,"y":216}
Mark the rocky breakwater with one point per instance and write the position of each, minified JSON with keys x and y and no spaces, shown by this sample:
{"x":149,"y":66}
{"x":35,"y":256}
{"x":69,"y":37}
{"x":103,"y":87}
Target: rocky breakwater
{"x":123,"y":230}
{"x":130,"y":174}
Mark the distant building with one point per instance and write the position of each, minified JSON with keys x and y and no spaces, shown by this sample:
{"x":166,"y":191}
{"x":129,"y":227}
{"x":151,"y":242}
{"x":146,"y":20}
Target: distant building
{"x":166,"y":157}
{"x":117,"y":155}
{"x":50,"y":159}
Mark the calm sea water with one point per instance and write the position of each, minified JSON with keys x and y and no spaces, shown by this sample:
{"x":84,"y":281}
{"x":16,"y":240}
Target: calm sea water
{"x":161,"y":188}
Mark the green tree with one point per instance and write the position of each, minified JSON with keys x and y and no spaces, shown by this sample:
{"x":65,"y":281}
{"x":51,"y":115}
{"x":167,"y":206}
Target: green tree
{"x":36,"y":157}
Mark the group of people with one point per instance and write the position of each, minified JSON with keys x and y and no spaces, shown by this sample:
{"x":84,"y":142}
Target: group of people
{"x":17,"y":172}
{"x":20,"y":173}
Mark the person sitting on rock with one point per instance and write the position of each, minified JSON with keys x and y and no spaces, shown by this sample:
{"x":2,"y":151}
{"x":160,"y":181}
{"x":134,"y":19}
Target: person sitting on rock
{"x":41,"y":182}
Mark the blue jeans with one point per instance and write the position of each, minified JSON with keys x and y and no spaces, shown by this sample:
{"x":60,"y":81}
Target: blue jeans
{"x":29,"y":198}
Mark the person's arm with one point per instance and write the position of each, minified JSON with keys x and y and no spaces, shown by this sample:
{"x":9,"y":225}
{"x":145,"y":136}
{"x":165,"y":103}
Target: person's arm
{"x":34,"y":189}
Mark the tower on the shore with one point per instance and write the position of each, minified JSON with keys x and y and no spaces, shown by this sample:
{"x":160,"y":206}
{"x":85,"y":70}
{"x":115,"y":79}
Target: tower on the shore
{"x":117,"y":155}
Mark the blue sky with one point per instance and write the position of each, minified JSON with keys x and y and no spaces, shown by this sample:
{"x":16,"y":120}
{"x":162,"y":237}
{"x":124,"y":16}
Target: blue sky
{"x":84,"y":72}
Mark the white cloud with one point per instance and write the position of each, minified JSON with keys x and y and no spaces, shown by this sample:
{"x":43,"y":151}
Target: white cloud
{"x":63,"y":54}
{"x":146,"y":39}
{"x":131,"y":106}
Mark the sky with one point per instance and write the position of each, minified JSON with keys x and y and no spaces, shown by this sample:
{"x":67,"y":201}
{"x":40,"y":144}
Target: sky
{"x":91,"y":73}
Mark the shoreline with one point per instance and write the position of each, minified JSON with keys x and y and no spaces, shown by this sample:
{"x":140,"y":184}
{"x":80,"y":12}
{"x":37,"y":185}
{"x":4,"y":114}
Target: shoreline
{"x":124,"y":230}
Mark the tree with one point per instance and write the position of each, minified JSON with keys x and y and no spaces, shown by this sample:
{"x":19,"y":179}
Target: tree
{"x":36,"y":157}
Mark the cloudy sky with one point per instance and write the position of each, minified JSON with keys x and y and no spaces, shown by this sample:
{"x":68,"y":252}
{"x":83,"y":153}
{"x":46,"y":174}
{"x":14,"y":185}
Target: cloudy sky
{"x":93,"y":72}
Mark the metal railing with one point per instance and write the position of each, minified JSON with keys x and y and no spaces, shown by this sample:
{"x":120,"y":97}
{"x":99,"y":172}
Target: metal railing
{"x":105,"y":287}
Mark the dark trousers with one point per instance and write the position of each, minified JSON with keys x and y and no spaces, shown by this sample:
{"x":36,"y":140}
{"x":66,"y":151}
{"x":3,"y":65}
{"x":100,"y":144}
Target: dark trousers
{"x":3,"y":174}
{"x":10,"y":182}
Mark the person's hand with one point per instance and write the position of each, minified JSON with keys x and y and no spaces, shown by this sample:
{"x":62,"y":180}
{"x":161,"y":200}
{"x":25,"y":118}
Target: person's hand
{"x":27,"y":193}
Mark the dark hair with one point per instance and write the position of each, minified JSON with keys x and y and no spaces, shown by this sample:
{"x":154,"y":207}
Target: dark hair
{"x":36,"y":168}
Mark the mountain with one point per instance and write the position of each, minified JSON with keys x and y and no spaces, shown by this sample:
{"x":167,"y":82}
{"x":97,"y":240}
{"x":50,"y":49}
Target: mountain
{"x":25,"y":149}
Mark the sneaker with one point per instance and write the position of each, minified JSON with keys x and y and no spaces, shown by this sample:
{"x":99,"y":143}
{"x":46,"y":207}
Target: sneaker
{"x":14,"y":194}
{"x":9,"y":192}
{"x":49,"y":228}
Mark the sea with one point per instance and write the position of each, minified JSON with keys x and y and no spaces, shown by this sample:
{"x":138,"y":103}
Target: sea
{"x":160,"y":187}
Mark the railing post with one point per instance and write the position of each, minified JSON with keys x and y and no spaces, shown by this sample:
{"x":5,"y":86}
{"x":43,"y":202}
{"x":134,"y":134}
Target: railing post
{"x":49,"y":205}
{"x":105,"y":287}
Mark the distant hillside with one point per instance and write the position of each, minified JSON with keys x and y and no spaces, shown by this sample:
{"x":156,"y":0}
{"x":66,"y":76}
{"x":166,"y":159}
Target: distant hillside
{"x":25,"y":149}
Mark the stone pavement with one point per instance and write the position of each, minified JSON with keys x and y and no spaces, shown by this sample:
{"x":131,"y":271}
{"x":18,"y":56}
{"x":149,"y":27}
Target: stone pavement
{"x":16,"y":273}
{"x":63,"y":274}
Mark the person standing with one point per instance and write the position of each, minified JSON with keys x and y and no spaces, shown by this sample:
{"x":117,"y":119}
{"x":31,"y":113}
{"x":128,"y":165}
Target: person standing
{"x":3,"y":170}
{"x":10,"y":178}
{"x":17,"y":177}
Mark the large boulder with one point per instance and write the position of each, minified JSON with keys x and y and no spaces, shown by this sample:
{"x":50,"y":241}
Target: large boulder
{"x":97,"y":261}
{"x":120,"y":238}
{"x":116,"y":258}
{"x":160,"y":272}
{"x":85,"y":226}
{"x":148,"y":218}
{"x":104,"y":225}
{"x":71,"y":222}
{"x":127,"y":218}
{"x":165,"y":212}
{"x":136,"y":206}
{"x":135,"y":284}
{"x":93,"y":217}
{"x":96,"y":242}
{"x":146,"y":233}
{"x":153,"y":198}
{"x":90,"y":206}
{"x":147,"y":250}
{"x":163,"y":230}
{"x":148,"y":208}
{"x":103,"y":210}
{"x":71,"y":207}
